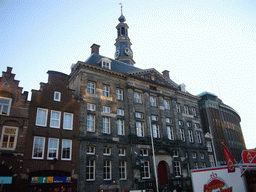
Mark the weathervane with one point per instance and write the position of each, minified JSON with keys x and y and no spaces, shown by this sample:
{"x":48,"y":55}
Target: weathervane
{"x":121,"y":7}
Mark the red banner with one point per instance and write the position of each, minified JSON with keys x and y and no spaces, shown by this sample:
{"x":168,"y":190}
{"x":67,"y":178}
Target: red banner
{"x":248,"y":156}
{"x":229,"y":159}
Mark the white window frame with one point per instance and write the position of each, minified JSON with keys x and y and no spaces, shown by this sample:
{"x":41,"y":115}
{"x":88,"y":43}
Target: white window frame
{"x":120,"y":112}
{"x":191,"y":137}
{"x":45,"y":116}
{"x":90,"y":170}
{"x":144,"y":152}
{"x":119,"y":94}
{"x":91,"y":87}
{"x":199,"y":138}
{"x":146,"y":170}
{"x":168,"y":120}
{"x":9,"y":135}
{"x":186,"y":109}
{"x":70,"y":124}
{"x":137,"y":97}
{"x":209,"y":146}
{"x":107,"y":151}
{"x":106,"y":91}
{"x":106,"y":109}
{"x":122,"y":151}
{"x":152,"y":101}
{"x":62,"y":150}
{"x":156,"y":132}
{"x":106,"y":125}
{"x":53,"y":119}
{"x":53,"y":148}
{"x":194,"y":111}
{"x":204,"y":165}
{"x":194,"y":155}
{"x":105,"y":64}
{"x":189,"y":124}
{"x":167,"y":104}
{"x":107,"y":170}
{"x":91,"y":107}
{"x":138,"y":115}
{"x":90,"y":150}
{"x":211,"y":160}
{"x":177,"y":168}
{"x":122,"y":170}
{"x":175,"y":153}
{"x":181,"y":123}
{"x":178,"y":107}
{"x":40,"y":147}
{"x":2,"y":104}
{"x":170,"y":133}
{"x":202,"y":155}
{"x":139,"y":129}
{"x":182,"y":135}
{"x":154,"y":117}
{"x":57,"y":96}
{"x":196,"y":165}
{"x":120,"y":127}
{"x":90,"y":127}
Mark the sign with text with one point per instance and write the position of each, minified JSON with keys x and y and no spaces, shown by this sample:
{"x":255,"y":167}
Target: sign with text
{"x":5,"y":180}
{"x":54,"y":179}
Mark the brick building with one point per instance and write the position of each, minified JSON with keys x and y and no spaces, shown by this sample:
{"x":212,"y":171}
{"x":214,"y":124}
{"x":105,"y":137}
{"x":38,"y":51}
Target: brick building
{"x":51,"y":154}
{"x":128,"y":115}
{"x":14,"y":109}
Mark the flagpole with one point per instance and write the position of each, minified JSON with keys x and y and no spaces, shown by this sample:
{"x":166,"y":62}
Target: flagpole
{"x":248,"y":165}
{"x":153,"y":151}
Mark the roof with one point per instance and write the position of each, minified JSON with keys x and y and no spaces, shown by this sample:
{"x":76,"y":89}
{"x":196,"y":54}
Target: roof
{"x":206,"y":93}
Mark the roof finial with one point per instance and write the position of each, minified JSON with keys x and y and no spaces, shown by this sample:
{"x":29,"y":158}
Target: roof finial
{"x":121,"y":7}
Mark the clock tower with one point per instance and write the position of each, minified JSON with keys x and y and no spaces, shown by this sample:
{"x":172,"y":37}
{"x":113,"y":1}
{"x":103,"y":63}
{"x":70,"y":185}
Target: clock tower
{"x":123,"y":45}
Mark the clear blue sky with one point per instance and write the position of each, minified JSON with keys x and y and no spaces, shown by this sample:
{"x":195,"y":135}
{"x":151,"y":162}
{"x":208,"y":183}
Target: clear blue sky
{"x":210,"y":45}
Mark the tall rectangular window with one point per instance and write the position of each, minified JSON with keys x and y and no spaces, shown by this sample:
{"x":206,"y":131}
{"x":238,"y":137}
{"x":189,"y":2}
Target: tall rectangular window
{"x":57,"y":96}
{"x":155,"y":129}
{"x":139,"y":129}
{"x":186,"y":111}
{"x":209,"y":146}
{"x":122,"y":151}
{"x":68,"y":121}
{"x":120,"y":112}
{"x":199,"y":139}
{"x":41,"y":117}
{"x":106,"y":125}
{"x":106,"y":109}
{"x":178,"y":108}
{"x":66,"y":149}
{"x":90,"y":123}
{"x":55,"y":119}
{"x":182,"y":135}
{"x":181,"y":123}
{"x":194,"y":111}
{"x":90,"y":170}
{"x":195,"y":165}
{"x":91,"y":87}
{"x":152,"y":101}
{"x":166,"y":104}
{"x":106,"y":91}
{"x":168,"y":120}
{"x":9,"y":138}
{"x":146,"y":170}
{"x":120,"y":126}
{"x":107,"y":170}
{"x":53,"y":146}
{"x":211,"y":160}
{"x":119,"y":94}
{"x":137,"y":97}
{"x":5,"y":105}
{"x":170,"y":133}
{"x":190,"y":134}
{"x":38,"y":148}
{"x":90,"y":150}
{"x":122,"y":170}
{"x":177,"y":169}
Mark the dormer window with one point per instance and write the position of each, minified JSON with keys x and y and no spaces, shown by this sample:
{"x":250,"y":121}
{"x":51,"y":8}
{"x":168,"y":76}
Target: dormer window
{"x":57,"y":96}
{"x":5,"y":105}
{"x":106,"y":63}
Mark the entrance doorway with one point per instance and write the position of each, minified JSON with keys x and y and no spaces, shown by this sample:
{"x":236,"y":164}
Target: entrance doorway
{"x":162,"y":173}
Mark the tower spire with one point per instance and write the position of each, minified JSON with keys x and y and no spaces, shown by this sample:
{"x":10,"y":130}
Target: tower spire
{"x":123,"y":43}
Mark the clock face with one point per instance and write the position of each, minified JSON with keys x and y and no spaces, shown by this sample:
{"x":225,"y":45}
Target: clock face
{"x":117,"y":53}
{"x":128,"y":51}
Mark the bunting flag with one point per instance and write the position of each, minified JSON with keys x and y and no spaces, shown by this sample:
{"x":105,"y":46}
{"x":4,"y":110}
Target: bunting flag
{"x":229,"y":159}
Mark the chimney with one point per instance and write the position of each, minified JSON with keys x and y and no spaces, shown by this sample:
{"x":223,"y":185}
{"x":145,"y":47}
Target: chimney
{"x":166,"y":74}
{"x":9,"y":69}
{"x":95,"y":49}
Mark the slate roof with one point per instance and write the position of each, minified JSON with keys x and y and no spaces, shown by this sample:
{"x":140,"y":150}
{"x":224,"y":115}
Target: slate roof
{"x":118,"y":66}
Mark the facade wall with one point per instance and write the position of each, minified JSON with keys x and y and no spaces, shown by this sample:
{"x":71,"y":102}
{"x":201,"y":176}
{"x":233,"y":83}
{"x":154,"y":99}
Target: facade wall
{"x":13,"y":128}
{"x":45,"y":161}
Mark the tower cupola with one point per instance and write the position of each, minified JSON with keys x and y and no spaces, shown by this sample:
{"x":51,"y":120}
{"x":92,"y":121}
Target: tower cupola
{"x":123,"y":44}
